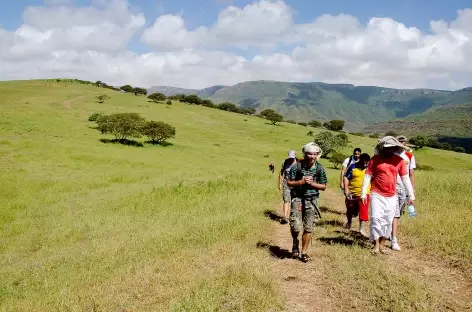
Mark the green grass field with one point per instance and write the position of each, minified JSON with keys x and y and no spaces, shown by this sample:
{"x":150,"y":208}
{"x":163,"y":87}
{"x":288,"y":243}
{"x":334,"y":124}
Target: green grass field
{"x":90,"y":226}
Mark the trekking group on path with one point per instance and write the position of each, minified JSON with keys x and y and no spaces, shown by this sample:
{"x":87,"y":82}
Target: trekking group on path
{"x":376,"y":189}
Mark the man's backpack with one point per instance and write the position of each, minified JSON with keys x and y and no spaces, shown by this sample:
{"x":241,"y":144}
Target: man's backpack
{"x":299,"y":174}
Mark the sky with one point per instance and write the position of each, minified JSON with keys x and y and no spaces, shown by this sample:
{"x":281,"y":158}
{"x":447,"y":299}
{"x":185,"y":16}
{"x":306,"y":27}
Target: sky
{"x":201,"y":43}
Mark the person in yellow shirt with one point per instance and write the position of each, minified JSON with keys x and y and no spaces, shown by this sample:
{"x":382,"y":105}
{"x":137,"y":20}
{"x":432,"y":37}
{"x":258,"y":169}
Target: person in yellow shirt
{"x":352,"y":190}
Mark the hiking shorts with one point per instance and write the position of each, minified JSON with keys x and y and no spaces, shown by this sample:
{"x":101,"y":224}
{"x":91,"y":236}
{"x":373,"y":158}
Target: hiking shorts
{"x":402,"y":202}
{"x":303,"y":214}
{"x":286,"y":193}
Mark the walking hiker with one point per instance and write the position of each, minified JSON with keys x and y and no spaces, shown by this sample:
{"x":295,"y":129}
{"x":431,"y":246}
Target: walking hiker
{"x":306,"y":179}
{"x":383,"y":171}
{"x":410,"y":163}
{"x":283,"y":177}
{"x":352,"y":190}
{"x":354,"y":158}
{"x":271,"y":167}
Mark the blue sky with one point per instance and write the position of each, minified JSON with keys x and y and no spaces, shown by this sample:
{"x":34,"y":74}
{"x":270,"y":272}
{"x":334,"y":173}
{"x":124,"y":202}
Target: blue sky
{"x":168,"y":46}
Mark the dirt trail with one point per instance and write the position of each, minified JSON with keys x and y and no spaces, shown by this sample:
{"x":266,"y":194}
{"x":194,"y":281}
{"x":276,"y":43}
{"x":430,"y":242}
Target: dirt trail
{"x":307,"y":287}
{"x":68,"y":103}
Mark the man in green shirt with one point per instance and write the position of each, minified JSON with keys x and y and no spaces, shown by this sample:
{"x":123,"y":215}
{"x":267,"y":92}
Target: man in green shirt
{"x":307,"y":179}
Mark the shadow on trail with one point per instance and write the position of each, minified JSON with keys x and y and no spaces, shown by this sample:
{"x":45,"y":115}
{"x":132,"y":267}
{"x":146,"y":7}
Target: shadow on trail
{"x":275,"y":251}
{"x":331,"y":222}
{"x":347,"y":238}
{"x":272,"y":215}
{"x":329,"y":210}
{"x":122,"y":142}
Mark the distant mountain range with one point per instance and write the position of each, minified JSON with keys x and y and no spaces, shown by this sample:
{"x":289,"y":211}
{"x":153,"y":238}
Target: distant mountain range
{"x":359,"y":106}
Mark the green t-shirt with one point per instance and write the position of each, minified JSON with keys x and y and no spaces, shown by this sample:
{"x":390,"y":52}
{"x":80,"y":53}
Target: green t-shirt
{"x":308,"y":190}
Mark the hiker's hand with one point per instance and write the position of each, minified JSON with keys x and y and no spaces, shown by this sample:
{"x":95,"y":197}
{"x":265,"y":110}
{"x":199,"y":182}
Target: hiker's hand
{"x":411,"y":202}
{"x":364,"y":200}
{"x":308,"y":179}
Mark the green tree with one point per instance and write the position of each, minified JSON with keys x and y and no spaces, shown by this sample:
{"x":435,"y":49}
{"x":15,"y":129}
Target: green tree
{"x":459,"y":149}
{"x":139,"y":91}
{"x":334,"y":125}
{"x":121,"y":125}
{"x":158,"y":131}
{"x":272,"y":116}
{"x":329,"y":142}
{"x":227,"y":106}
{"x":157,"y":97}
{"x":337,"y":158}
{"x":169,"y":102}
{"x":247,"y":110}
{"x":303,"y":124}
{"x":419,"y":141}
{"x":177,"y":97}
{"x":315,"y":124}
{"x":192,"y":99}
{"x":102,"y":98}
{"x":127,"y":88}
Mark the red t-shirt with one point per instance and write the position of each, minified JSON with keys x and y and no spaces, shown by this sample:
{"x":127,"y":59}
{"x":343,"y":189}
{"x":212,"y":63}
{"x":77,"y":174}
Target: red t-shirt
{"x":384,"y":171}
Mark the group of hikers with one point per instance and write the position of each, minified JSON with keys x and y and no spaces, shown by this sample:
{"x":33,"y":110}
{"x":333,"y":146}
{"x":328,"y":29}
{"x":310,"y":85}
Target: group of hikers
{"x":376,"y":189}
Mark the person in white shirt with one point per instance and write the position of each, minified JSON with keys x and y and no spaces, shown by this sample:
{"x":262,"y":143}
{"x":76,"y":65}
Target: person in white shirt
{"x":348,"y":162}
{"x":410,"y":163}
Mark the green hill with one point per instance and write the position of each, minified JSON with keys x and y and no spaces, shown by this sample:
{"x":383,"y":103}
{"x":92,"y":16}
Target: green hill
{"x":91,"y":225}
{"x":357,"y":105}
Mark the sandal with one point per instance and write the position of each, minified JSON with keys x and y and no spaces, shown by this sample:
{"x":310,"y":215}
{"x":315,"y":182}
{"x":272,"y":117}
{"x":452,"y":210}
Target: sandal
{"x":295,"y":253}
{"x":305,"y":258}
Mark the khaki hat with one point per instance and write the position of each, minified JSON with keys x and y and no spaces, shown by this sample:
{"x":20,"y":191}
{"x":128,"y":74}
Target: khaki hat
{"x":402,"y":139}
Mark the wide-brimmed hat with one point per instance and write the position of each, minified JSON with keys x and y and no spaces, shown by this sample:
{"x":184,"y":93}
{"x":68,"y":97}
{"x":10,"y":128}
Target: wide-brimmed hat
{"x":389,"y":141}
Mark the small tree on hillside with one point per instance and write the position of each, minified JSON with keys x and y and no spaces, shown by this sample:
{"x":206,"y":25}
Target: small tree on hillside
{"x":247,"y":110}
{"x":158,"y":131}
{"x":227,"y":106}
{"x":121,"y":125}
{"x":157,"y":97}
{"x":329,"y":142}
{"x":337,"y":158}
{"x":169,"y":102}
{"x":192,"y":99}
{"x":95,"y":116}
{"x":334,"y":125}
{"x":139,"y":91}
{"x":310,"y":133}
{"x":272,"y":116}
{"x":102,"y":98}
{"x":127,"y":88}
{"x":303,"y":124}
{"x":459,"y":149}
{"x":315,"y":124}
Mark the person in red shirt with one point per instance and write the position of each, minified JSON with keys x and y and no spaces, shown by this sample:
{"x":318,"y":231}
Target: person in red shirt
{"x":382,"y":173}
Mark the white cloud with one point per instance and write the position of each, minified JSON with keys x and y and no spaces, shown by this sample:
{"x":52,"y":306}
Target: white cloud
{"x":92,"y":43}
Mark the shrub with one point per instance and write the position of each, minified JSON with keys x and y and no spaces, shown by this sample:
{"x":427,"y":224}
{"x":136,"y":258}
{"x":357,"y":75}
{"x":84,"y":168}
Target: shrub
{"x":247,"y":111}
{"x":391,"y":133}
{"x":192,"y":99}
{"x":95,"y":116}
{"x":227,"y":106}
{"x":121,"y":125}
{"x":158,"y":131}
{"x":157,"y":97}
{"x":337,"y":158}
{"x":169,"y":102}
{"x":127,"y":88}
{"x":344,"y":139}
{"x":459,"y":149}
{"x":315,"y":124}
{"x":310,"y":133}
{"x":357,"y":134}
{"x":374,"y":135}
{"x":334,"y":125}
{"x":424,"y":167}
{"x":291,"y":121}
{"x":208,"y":103}
{"x":304,"y":124}
{"x":139,"y":91}
{"x":419,"y":141}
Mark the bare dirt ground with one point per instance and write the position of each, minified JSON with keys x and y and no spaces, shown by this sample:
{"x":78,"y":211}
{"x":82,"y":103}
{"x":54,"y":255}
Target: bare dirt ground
{"x":308,"y":287}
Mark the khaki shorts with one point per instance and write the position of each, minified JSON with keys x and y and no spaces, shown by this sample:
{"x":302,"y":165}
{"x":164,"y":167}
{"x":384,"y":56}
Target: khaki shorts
{"x":303,"y":214}
{"x":286,"y":193}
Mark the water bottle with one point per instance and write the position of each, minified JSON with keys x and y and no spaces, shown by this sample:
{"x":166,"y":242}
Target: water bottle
{"x":411,"y":211}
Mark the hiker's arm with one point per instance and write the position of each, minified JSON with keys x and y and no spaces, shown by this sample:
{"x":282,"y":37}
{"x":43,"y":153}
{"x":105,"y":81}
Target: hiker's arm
{"x":341,"y":177}
{"x":365,"y":185}
{"x":318,"y":186}
{"x":346,"y":183}
{"x":412,"y":178}
{"x":281,"y":178}
{"x":293,"y":183}
{"x":409,"y":188}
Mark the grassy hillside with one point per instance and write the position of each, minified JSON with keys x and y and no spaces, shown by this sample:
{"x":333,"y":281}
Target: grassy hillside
{"x":86,"y":225}
{"x":452,"y":123}
{"x":358,"y":106}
